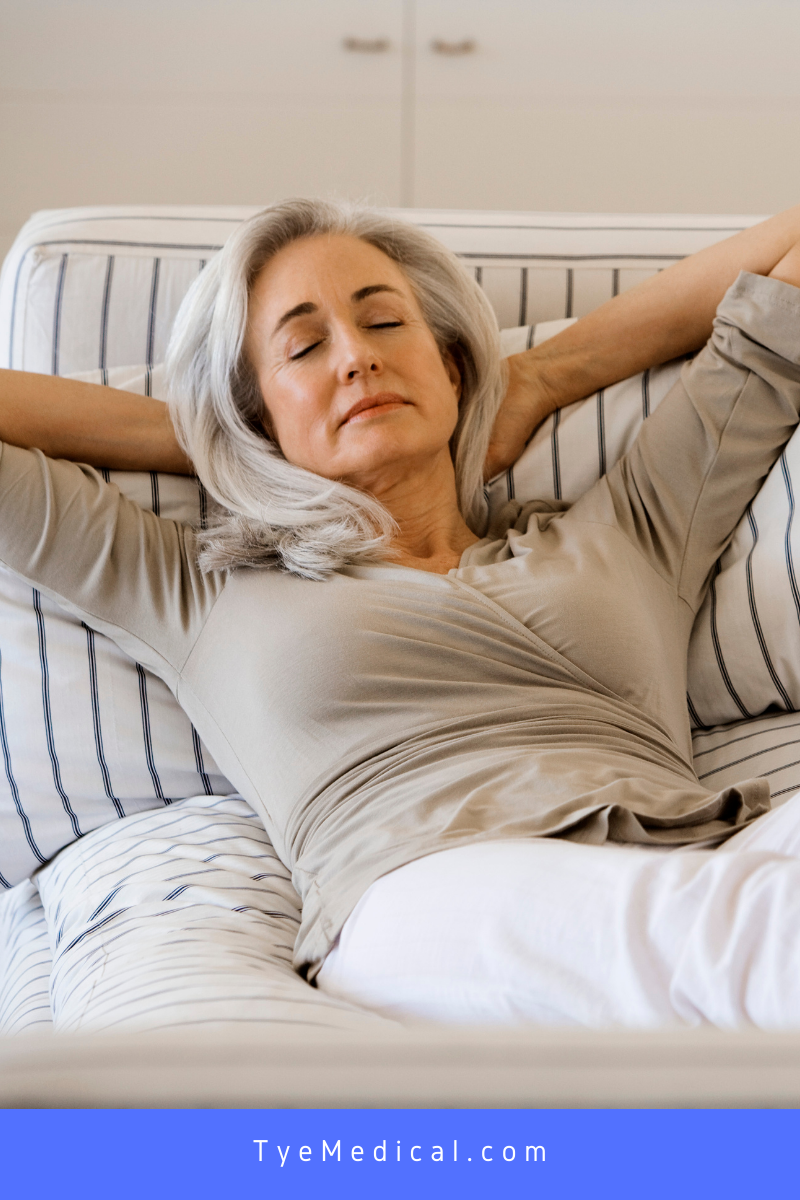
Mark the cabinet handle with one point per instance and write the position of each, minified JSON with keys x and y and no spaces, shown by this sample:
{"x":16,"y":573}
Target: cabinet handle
{"x":366,"y":45}
{"x":453,"y":49}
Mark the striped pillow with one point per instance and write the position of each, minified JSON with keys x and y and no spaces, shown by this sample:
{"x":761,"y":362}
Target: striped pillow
{"x":179,"y":917}
{"x":87,"y":735}
{"x":744,"y":656}
{"x":577,"y":444}
{"x":25,"y":961}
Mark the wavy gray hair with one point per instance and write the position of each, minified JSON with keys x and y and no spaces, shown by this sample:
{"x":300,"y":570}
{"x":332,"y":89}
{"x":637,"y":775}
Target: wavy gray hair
{"x":275,"y":512}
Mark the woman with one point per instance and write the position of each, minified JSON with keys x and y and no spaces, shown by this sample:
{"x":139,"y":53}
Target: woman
{"x":410,"y":706}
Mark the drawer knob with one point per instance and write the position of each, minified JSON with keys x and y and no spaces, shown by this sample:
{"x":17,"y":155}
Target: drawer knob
{"x":454,"y":49}
{"x":358,"y":45}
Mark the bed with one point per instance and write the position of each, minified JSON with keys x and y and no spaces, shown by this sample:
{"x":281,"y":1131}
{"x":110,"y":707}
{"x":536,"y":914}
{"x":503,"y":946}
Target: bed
{"x":116,"y":823}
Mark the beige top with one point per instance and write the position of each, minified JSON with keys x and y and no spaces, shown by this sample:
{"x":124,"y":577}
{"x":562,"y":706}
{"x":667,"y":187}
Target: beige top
{"x":388,"y":713}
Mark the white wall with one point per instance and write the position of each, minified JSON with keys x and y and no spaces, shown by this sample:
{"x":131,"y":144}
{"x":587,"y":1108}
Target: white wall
{"x":586,"y":105}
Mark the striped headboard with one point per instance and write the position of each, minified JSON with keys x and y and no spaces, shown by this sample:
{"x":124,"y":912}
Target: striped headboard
{"x":90,"y":288}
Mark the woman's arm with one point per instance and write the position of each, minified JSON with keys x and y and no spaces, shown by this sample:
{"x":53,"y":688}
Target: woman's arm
{"x":668,"y":315}
{"x":88,"y":423}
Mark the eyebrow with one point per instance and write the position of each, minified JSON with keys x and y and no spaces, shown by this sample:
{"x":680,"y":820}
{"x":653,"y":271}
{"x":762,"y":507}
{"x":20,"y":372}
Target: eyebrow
{"x":301,"y":310}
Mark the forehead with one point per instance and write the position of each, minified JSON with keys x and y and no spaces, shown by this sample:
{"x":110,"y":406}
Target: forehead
{"x":321,"y":270}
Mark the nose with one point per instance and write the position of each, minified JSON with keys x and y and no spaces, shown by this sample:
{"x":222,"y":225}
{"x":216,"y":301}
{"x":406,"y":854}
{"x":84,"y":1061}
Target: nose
{"x":358,"y":356}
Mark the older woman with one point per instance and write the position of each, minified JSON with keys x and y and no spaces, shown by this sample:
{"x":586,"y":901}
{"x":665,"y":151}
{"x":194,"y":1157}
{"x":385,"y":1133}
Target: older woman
{"x":430,"y":717}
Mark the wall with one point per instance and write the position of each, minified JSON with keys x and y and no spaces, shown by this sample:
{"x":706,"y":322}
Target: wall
{"x":583,"y":105}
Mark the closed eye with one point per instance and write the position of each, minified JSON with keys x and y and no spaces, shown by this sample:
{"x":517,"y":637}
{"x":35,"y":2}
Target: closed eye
{"x":302,"y":353}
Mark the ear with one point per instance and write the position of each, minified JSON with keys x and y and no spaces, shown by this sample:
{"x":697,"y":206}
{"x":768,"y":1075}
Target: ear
{"x":453,"y":372}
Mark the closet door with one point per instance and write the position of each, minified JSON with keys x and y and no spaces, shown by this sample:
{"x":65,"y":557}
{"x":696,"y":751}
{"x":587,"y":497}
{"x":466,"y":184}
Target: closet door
{"x":197,"y":101}
{"x":628,"y":105}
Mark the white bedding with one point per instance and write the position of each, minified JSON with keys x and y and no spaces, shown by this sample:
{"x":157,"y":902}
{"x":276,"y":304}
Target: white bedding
{"x":267,"y":990}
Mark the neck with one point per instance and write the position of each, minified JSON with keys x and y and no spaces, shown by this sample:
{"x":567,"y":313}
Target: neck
{"x":432,"y":535}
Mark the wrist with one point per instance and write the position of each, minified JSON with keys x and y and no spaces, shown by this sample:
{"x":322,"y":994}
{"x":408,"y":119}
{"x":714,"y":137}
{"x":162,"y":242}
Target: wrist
{"x":533,"y":375}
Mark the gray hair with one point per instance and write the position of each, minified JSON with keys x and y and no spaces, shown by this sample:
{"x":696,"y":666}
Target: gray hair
{"x":274,"y":512}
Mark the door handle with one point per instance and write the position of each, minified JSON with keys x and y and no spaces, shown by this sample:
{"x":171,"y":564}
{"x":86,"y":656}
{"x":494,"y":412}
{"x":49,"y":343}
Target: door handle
{"x":358,"y":45}
{"x":454,"y":49}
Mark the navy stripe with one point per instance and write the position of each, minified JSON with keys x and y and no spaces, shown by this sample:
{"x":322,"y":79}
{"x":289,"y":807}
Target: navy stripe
{"x":555,"y":455}
{"x":723,"y":670}
{"x":12,"y":783}
{"x":93,"y":929}
{"x":646,"y":394}
{"x":148,"y":740}
{"x":749,"y":757}
{"x":523,"y":295}
{"x":510,"y":483}
{"x":201,"y":766}
{"x":98,"y":730}
{"x":48,"y":716}
{"x":479,"y":276}
{"x":155,"y":498}
{"x":570,"y":291}
{"x":615,"y":281}
{"x":104,"y":317}
{"x":62,"y":271}
{"x":204,"y":505}
{"x":696,"y":722}
{"x":788,"y":538}
{"x":745,"y":737}
{"x":151,"y":328}
{"x":793,"y":787}
{"x":601,"y":432}
{"x":530,"y":337}
{"x":178,"y":891}
{"x":104,"y":471}
{"x":751,"y":596}
{"x":104,"y":903}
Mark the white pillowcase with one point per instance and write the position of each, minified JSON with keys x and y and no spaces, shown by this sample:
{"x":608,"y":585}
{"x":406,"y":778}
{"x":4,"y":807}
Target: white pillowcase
{"x":86,"y":735}
{"x":183,"y":916}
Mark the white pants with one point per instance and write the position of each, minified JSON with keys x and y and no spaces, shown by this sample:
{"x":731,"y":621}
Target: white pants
{"x":562,"y":933}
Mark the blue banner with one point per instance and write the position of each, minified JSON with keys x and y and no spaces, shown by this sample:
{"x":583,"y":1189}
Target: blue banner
{"x":150,"y":1154}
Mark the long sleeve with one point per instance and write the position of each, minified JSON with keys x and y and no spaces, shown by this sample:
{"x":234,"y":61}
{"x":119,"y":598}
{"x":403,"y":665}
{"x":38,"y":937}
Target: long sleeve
{"x":124,"y":571}
{"x":700,"y":459}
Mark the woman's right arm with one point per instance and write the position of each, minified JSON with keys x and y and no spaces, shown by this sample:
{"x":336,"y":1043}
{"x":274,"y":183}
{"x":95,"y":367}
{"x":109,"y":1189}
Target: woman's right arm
{"x":88,"y":423}
{"x":665,"y":317}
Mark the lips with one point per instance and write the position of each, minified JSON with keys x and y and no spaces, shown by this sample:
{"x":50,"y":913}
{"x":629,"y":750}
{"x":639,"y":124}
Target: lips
{"x":371,"y":405}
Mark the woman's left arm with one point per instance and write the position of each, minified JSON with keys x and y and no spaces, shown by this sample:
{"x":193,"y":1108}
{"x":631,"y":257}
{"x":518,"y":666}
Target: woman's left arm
{"x":88,"y":423}
{"x":665,"y":317}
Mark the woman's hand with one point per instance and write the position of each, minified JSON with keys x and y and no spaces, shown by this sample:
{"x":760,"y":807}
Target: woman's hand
{"x":526,"y":404}
{"x":665,"y":317}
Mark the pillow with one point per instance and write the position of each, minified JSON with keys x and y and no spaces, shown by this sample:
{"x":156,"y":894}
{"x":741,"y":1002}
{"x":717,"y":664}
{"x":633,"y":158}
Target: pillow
{"x":744,"y":655}
{"x":87,"y":735}
{"x":25,"y":960}
{"x":767,"y":746}
{"x":183,"y":916}
{"x":576,"y":445}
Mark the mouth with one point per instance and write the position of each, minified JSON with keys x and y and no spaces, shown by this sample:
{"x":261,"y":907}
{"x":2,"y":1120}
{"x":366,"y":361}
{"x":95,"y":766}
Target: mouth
{"x":373,"y":406}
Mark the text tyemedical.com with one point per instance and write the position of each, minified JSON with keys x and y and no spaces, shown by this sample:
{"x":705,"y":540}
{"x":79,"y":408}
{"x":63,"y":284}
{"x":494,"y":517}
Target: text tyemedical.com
{"x":393,"y":1151}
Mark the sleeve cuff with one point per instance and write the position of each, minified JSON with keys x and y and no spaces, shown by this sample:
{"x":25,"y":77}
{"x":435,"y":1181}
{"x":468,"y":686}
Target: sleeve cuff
{"x":765,"y":310}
